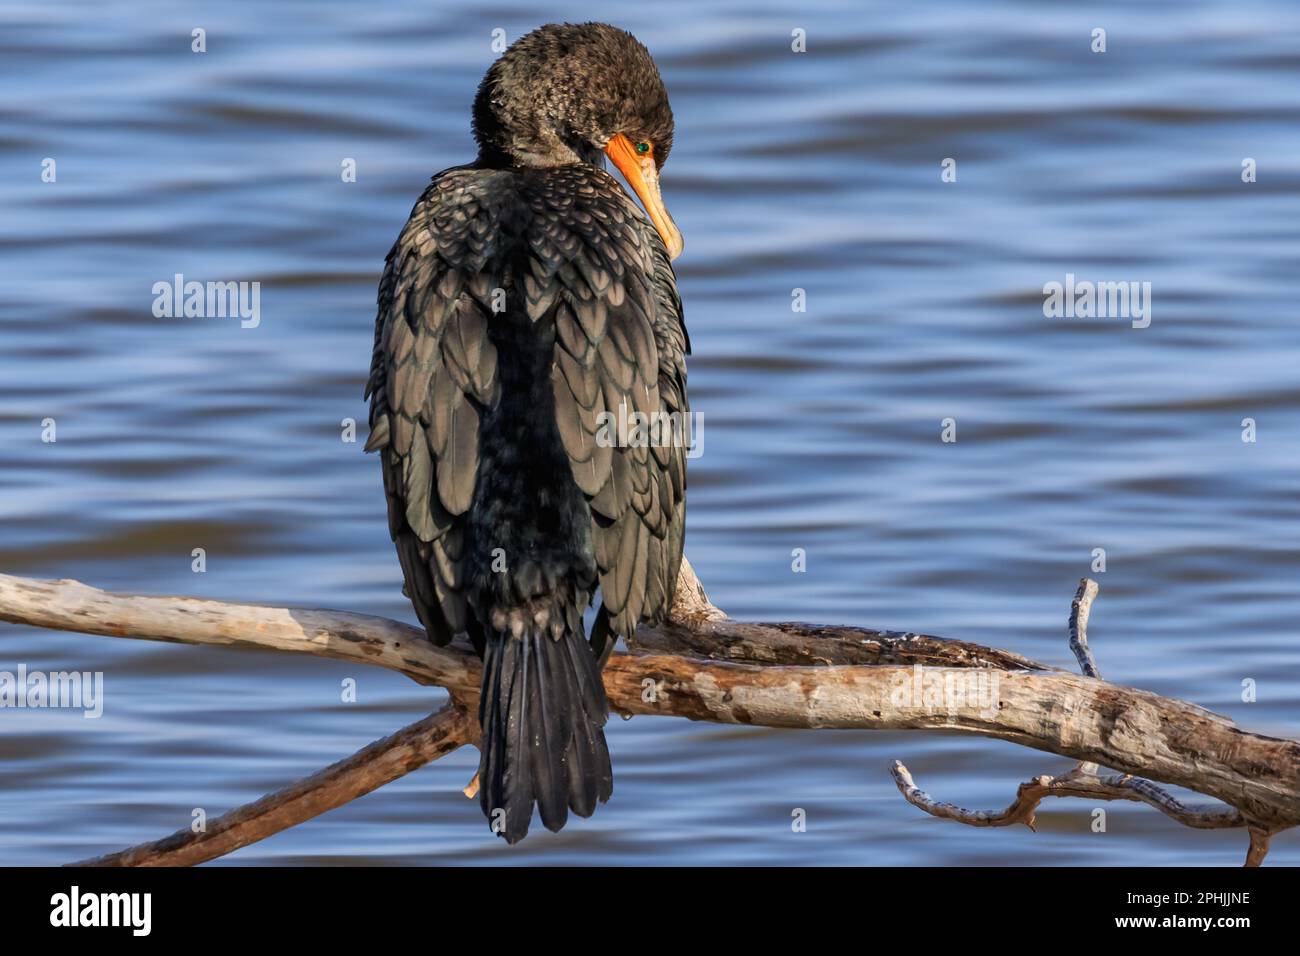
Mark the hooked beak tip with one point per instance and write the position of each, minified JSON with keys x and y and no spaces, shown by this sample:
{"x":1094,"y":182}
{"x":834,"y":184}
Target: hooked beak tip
{"x":642,"y":175}
{"x":675,"y":248}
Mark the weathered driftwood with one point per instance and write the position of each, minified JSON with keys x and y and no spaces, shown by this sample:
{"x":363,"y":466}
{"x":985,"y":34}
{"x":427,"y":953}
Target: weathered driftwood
{"x":704,"y":666}
{"x":1083,"y":780}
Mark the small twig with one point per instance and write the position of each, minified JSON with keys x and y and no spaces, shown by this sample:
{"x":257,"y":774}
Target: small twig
{"x":1021,"y":810}
{"x":471,"y":789}
{"x":1258,"y":846}
{"x":1080,"y":608}
{"x":1076,"y":783}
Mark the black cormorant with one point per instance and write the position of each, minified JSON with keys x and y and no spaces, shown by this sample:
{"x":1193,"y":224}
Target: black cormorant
{"x":527,"y":304}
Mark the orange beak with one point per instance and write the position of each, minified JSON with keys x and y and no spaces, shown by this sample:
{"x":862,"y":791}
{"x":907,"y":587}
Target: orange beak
{"x":643,"y":176}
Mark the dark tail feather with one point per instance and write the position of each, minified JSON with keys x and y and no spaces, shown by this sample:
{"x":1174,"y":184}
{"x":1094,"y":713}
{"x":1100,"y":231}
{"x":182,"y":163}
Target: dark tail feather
{"x":542,"y":709}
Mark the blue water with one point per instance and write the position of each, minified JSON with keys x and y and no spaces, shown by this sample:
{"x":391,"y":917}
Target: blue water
{"x":817,"y":171}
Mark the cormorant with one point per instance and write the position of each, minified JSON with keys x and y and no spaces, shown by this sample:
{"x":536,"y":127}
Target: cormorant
{"x":527,"y":303}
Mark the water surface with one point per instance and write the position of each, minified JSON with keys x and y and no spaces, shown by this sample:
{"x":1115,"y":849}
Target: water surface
{"x":817,"y":171}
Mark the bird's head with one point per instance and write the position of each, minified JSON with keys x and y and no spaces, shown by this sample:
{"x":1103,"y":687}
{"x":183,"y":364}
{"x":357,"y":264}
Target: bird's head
{"x":566,"y":93}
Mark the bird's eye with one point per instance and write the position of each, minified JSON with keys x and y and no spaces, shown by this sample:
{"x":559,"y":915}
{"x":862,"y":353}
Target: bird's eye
{"x":642,"y":148}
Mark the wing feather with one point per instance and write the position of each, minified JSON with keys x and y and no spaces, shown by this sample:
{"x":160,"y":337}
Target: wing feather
{"x":620,"y":345}
{"x":433,"y":374}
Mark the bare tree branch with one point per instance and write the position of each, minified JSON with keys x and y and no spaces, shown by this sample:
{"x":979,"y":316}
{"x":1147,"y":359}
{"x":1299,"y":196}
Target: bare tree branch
{"x":366,"y":770}
{"x":1076,"y":783}
{"x":778,"y":675}
{"x":1083,"y":780}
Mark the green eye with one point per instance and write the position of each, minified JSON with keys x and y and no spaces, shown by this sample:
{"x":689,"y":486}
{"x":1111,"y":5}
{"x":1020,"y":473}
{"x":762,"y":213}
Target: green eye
{"x":642,"y":148}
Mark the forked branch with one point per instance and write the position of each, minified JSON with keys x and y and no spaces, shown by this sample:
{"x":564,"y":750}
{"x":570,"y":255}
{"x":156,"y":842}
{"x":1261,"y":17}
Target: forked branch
{"x":1084,"y":781}
{"x":704,"y":666}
